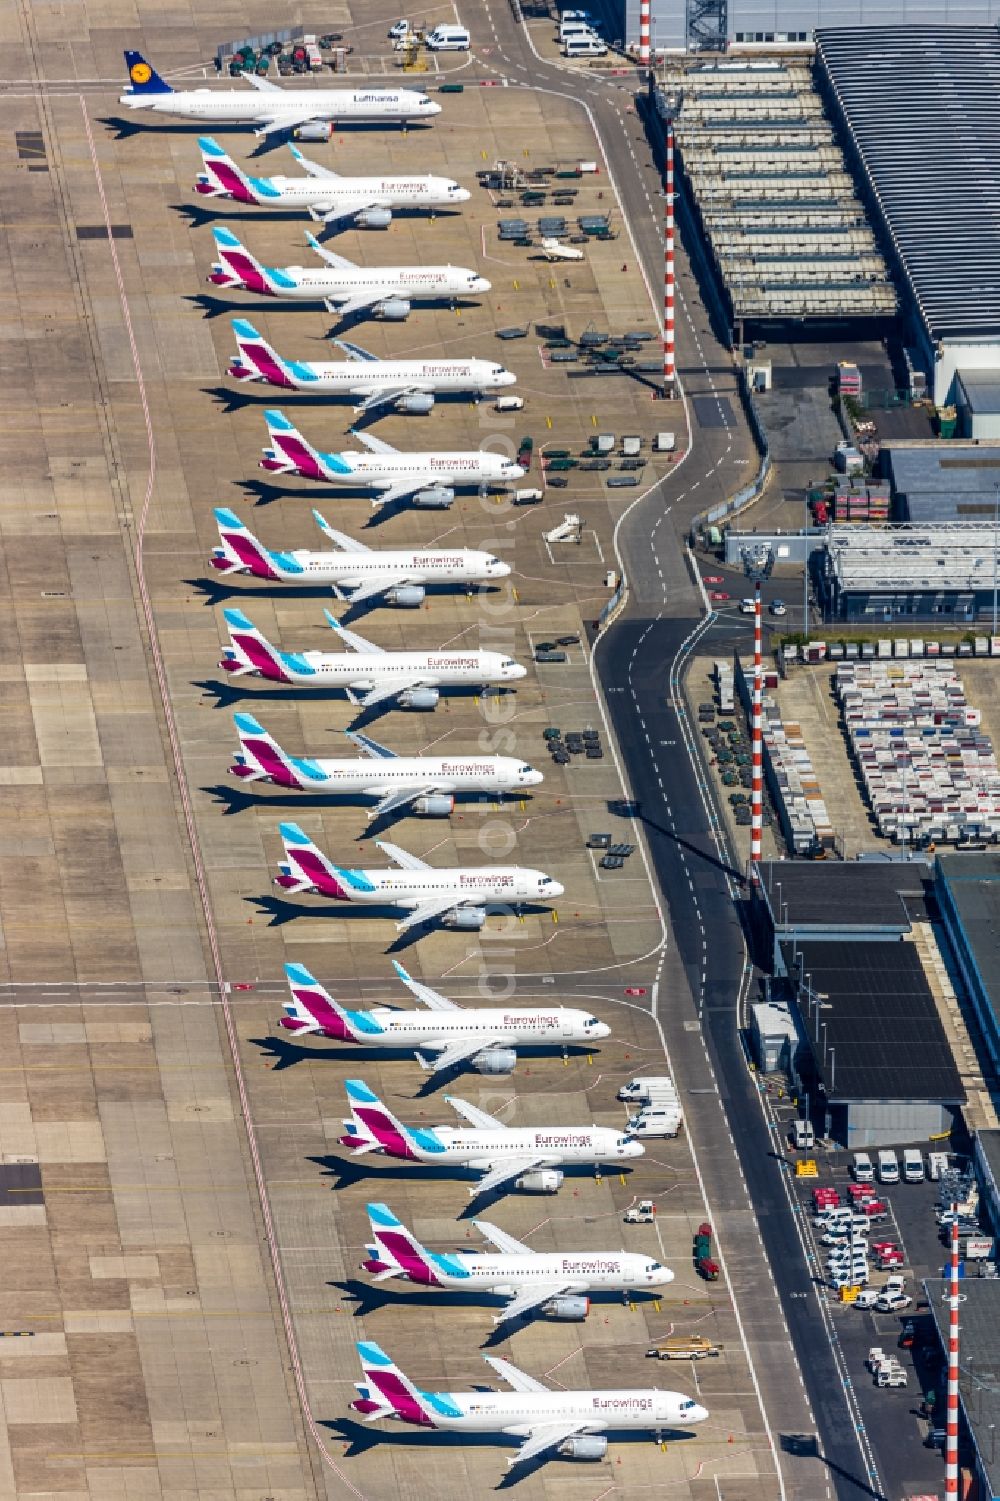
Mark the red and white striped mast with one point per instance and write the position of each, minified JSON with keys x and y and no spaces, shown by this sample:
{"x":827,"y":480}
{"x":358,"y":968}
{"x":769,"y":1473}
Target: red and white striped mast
{"x":669,"y":357}
{"x":644,"y":53}
{"x":951,"y":1425}
{"x":757,"y":738}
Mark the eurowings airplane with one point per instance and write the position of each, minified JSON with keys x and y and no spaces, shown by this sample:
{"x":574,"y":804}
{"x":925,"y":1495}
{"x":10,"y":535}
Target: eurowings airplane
{"x":481,"y":1037}
{"x":408,"y":386}
{"x":551,"y":1282}
{"x":459,"y":897}
{"x":425,"y":785}
{"x":271,"y":108}
{"x":341,"y":285}
{"x":368,"y":675}
{"x":532,"y":1156}
{"x":325,"y":195}
{"x":428,"y":476}
{"x":355,"y":572}
{"x":573,"y":1424}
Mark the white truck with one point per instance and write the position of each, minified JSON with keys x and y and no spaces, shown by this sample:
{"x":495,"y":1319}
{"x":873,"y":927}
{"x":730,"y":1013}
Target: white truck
{"x":913,"y":1166}
{"x":640,"y":1091}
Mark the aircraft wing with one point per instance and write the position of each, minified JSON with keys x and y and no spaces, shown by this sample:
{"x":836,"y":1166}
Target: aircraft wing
{"x":354,"y":304}
{"x":373,"y":444}
{"x":403,"y":858}
{"x":529,"y":1298}
{"x":456,"y":1052}
{"x":424,"y":994}
{"x":332,"y":210}
{"x":343,"y":542}
{"x":504,"y":1173}
{"x":503,"y":1242}
{"x":284,"y":121}
{"x":314,"y":169}
{"x":436,"y":907}
{"x":265,"y":85}
{"x":376,"y":586}
{"x":378,"y":695}
{"x":399,"y":799}
{"x":472,"y":1113}
{"x":401,"y":488}
{"x":517,"y":1379}
{"x":544,"y":1437}
{"x":379,"y":398}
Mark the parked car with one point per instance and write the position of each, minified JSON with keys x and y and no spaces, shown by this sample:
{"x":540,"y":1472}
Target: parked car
{"x":714,"y":578}
{"x":718,"y":595}
{"x":778,"y":607}
{"x":894,"y":1303}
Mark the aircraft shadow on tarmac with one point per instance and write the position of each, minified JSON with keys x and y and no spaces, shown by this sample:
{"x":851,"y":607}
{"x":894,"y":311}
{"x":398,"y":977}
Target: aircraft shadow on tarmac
{"x":227,"y":692}
{"x":237,"y":797}
{"x":130,"y":125}
{"x":281,"y":912}
{"x":222,"y":587}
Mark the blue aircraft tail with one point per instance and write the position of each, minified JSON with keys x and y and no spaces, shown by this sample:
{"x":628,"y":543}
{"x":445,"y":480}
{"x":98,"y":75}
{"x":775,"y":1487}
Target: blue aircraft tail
{"x":143,"y":77}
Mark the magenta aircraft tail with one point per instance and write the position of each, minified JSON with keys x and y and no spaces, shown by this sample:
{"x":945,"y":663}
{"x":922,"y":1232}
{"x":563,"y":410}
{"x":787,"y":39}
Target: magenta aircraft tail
{"x":261,"y":759}
{"x":386,"y":1392}
{"x":236,"y":267}
{"x":313,"y":1009}
{"x":290,"y":453}
{"x":239,"y":550}
{"x":251,"y":652}
{"x":257,"y":360}
{"x":308,"y":869}
{"x":396,"y":1251}
{"x":222,"y":178}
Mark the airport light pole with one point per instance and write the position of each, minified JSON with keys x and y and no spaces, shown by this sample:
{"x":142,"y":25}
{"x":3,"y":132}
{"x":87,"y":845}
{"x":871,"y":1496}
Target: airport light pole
{"x":644,"y":6}
{"x":669,"y":354}
{"x":996,"y":528}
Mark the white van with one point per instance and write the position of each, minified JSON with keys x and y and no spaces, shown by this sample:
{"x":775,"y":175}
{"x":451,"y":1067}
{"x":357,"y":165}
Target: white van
{"x":655,"y":1123}
{"x":584,"y":46}
{"x":862,"y":1168}
{"x":645,"y":1085}
{"x":574,"y":27}
{"x":913,"y":1166}
{"x":448,"y":39}
{"x":888,"y":1166}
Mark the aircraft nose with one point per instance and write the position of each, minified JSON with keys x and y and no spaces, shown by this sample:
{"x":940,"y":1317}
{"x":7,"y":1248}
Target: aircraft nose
{"x":500,"y":570}
{"x":515,"y":471}
{"x":461,"y":195}
{"x":517,"y":670}
{"x":533,"y":778}
{"x":480,"y":284}
{"x":634,"y":1149}
{"x":431,"y":108}
{"x":696,"y":1414}
{"x":508,"y":378}
{"x":556,"y":889}
{"x":601,"y":1030}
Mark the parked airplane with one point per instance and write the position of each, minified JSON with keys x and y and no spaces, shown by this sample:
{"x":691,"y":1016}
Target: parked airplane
{"x":555,"y":250}
{"x":342,"y":286}
{"x":269,"y":107}
{"x":552,"y":1282}
{"x":459,"y":896}
{"x":428,"y":476}
{"x":356,"y":573}
{"x":415,"y":678}
{"x":482,"y":1037}
{"x":422,"y":784}
{"x":406,"y":385}
{"x":573,"y":1424}
{"x":532,"y":1156}
{"x":368,"y":201}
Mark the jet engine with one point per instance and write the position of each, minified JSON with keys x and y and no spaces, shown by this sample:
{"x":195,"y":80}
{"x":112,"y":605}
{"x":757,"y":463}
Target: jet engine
{"x":416,"y":405}
{"x":407,"y":596}
{"x":569,"y":1309}
{"x":495,"y":1061}
{"x":434,"y":805}
{"x":394,"y":309}
{"x":435,"y":497}
{"x":313,"y":130}
{"x":584,"y":1446}
{"x":545,"y":1180}
{"x":373,"y":218}
{"x":419,"y":698}
{"x":467,"y":919}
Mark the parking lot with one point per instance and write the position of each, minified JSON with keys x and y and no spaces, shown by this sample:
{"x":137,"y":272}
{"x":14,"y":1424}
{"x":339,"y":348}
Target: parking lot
{"x":897,"y":1420}
{"x":136,"y":872}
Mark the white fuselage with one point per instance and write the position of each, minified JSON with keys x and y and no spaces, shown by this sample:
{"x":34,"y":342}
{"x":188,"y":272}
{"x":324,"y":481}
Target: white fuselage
{"x":580,"y":1272}
{"x":243,"y":105}
{"x":349,"y":195}
{"x":362,"y":672}
{"x":548,"y":1146}
{"x":407,"y":283}
{"x":520,"y":1413}
{"x":363,"y":378}
{"x":351,"y":570}
{"x":464,"y":885}
{"x":444,"y":774}
{"x":517,"y":1026}
{"x":385,"y":470}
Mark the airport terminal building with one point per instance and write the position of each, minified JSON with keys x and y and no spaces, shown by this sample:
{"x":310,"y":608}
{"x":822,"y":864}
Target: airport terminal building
{"x":691,"y":25}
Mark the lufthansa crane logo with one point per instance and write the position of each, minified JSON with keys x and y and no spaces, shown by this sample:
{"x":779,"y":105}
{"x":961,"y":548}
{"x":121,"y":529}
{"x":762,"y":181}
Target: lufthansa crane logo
{"x":140,"y":72}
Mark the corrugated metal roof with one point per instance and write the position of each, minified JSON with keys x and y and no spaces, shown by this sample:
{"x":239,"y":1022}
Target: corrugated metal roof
{"x":920,"y":104}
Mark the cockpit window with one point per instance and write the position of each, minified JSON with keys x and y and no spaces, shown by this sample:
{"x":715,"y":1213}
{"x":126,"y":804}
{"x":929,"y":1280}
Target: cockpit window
{"x":509,"y":662}
{"x":525,"y":767}
{"x":592,"y":1021}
